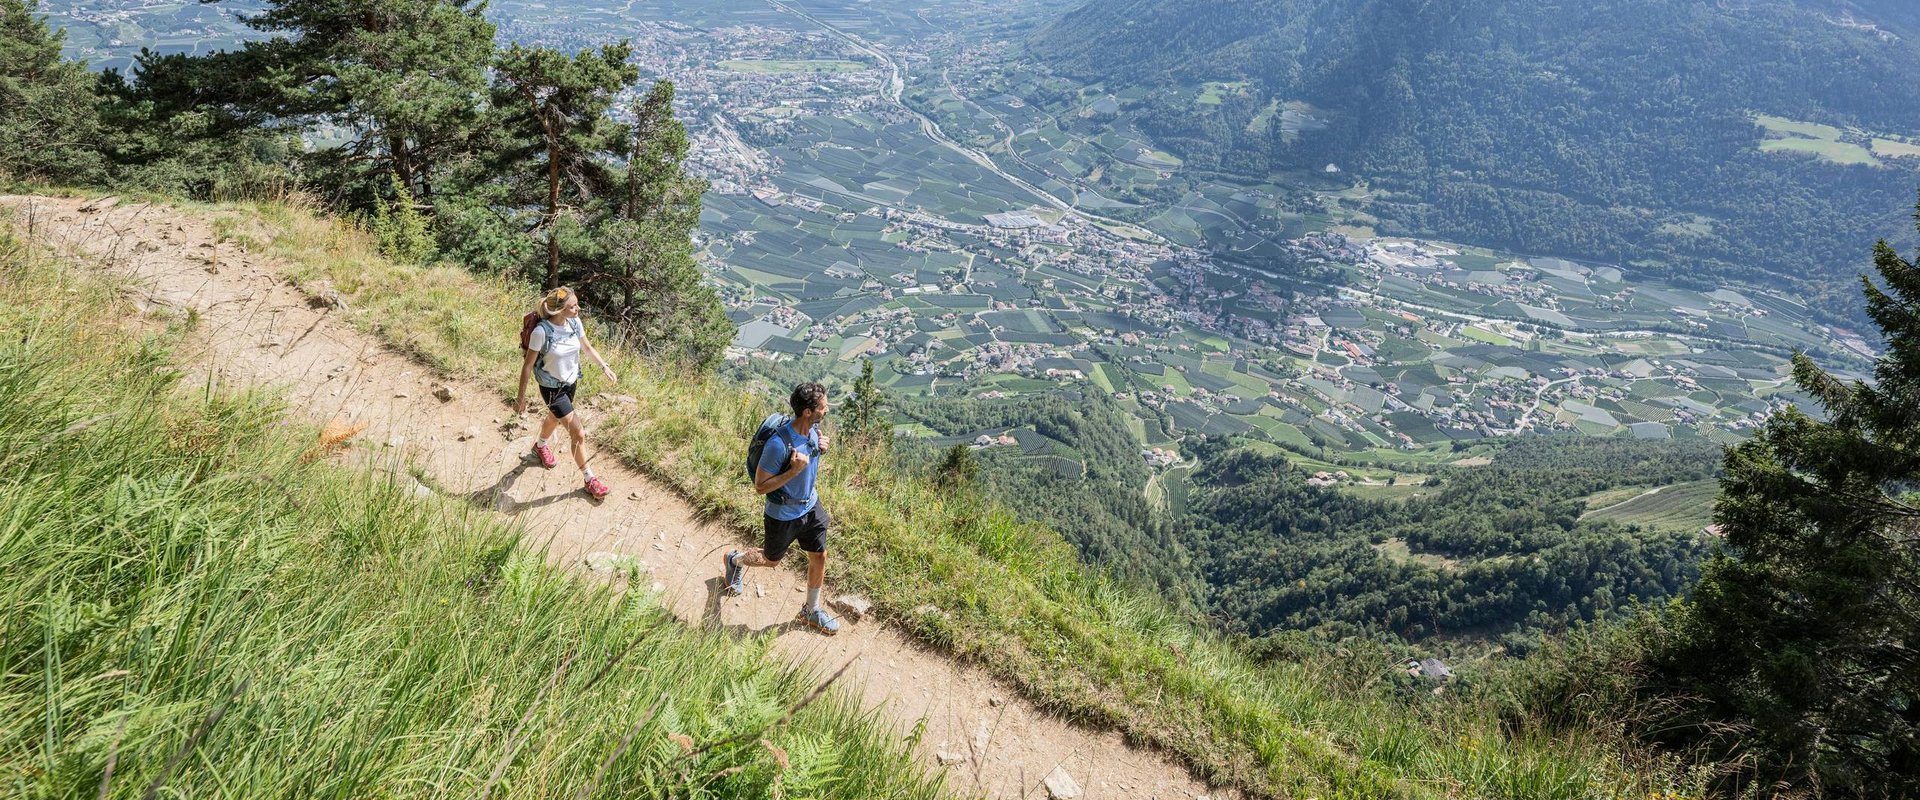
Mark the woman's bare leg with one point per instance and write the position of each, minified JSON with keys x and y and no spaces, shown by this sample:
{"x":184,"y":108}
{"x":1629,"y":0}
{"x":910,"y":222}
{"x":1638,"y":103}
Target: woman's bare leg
{"x":579,"y":439}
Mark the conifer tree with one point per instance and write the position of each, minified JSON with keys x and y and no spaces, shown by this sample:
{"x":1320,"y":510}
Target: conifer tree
{"x":49,"y":123}
{"x":400,"y":228}
{"x":402,"y":79}
{"x":649,"y":276}
{"x":959,"y":468}
{"x":196,"y":125}
{"x":866,"y":422}
{"x":1807,"y":636}
{"x":559,"y":105}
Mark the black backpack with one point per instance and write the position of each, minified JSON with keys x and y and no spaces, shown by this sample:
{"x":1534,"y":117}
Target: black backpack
{"x":769,"y":428}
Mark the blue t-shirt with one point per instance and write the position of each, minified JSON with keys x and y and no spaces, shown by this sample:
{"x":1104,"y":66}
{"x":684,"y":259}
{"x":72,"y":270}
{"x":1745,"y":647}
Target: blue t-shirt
{"x":773,"y":461}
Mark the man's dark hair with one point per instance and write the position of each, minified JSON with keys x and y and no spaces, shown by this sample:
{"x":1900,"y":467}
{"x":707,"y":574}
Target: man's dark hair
{"x":806,"y":396}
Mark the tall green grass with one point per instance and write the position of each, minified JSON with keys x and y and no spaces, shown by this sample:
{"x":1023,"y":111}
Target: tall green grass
{"x":191,"y":606}
{"x":968,"y":575}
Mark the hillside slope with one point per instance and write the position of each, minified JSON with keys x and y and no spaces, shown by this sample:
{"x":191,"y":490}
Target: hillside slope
{"x":257,"y":331}
{"x":198,"y":605}
{"x":1623,"y":129}
{"x":963,"y":586}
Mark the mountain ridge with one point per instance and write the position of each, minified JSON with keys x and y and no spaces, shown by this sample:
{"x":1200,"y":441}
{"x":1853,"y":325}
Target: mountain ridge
{"x":1614,"y":130}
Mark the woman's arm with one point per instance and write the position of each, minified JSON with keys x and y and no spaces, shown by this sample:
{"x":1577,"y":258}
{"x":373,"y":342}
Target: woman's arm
{"x":526,"y":371}
{"x":595,"y":355}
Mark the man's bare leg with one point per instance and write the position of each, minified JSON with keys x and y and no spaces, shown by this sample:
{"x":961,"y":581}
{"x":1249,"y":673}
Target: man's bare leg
{"x":816,"y":578}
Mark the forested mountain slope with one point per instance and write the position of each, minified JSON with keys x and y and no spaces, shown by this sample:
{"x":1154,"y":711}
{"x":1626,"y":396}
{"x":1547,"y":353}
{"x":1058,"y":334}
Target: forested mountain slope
{"x":1501,"y":552}
{"x":1626,"y":130}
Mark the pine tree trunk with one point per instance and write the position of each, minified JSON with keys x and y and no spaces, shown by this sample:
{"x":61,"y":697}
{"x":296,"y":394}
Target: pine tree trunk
{"x":553,"y":206}
{"x":402,"y":164}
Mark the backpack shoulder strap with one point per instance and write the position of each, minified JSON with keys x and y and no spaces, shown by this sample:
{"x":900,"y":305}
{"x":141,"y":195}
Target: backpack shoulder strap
{"x":547,"y":330}
{"x":787,"y":432}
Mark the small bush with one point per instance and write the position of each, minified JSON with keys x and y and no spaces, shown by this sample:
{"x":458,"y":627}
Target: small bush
{"x":401,"y":230}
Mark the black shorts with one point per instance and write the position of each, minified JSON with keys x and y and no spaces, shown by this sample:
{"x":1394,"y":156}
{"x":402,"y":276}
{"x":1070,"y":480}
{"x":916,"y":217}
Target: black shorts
{"x":559,"y":400}
{"x":810,"y":530}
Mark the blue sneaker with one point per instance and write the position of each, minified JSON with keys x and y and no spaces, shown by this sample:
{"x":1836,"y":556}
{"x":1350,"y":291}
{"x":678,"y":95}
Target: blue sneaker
{"x":735,"y":574}
{"x":819,"y":620}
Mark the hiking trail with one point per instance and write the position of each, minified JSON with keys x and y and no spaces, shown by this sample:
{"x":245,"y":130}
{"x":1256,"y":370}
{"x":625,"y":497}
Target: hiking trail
{"x":257,"y":329}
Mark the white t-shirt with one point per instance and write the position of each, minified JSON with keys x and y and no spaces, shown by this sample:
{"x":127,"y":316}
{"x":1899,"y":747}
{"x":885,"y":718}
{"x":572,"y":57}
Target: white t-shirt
{"x":562,"y":359}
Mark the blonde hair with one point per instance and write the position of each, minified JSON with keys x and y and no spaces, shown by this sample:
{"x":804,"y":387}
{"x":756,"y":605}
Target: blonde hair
{"x":555,"y":301}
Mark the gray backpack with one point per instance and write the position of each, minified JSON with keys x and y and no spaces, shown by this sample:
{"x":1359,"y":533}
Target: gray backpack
{"x":774,"y":425}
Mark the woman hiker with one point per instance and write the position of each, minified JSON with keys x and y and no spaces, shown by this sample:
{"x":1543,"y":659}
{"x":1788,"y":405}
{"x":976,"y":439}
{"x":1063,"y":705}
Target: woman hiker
{"x":552,"y":357}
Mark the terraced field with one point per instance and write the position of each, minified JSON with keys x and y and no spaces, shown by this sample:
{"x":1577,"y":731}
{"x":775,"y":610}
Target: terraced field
{"x":1682,"y":506}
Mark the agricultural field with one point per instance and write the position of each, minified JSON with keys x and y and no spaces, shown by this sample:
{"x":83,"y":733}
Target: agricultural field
{"x":1828,"y":143}
{"x":1889,"y":148}
{"x":110,"y":33}
{"x":1405,"y":487}
{"x":1837,"y":152}
{"x":983,"y":258}
{"x":886,"y":246}
{"x":1398,"y":551}
{"x":1682,"y":506}
{"x":1427,"y":345}
{"x":1213,"y":93}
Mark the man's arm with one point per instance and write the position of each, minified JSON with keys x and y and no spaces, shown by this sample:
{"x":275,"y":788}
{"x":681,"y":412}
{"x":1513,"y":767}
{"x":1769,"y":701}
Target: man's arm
{"x":765,"y":482}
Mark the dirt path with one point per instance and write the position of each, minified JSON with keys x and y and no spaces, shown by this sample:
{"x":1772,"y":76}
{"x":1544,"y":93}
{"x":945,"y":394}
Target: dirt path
{"x":259,"y":330}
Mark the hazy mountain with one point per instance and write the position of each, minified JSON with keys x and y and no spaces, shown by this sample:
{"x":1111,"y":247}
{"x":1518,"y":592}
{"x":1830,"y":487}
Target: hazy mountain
{"x":1616,"y":129}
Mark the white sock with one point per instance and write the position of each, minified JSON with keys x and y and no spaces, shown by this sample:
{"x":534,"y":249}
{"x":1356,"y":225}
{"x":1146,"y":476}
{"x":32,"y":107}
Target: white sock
{"x":813,"y":598}
{"x":542,"y":440}
{"x":589,"y":473}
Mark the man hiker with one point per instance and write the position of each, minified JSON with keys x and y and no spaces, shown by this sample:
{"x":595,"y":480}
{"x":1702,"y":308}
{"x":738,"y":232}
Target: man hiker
{"x":786,"y":471}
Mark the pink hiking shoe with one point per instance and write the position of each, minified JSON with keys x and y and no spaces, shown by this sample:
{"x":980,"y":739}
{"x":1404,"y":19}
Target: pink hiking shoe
{"x":597,"y":488}
{"x":545,"y":454}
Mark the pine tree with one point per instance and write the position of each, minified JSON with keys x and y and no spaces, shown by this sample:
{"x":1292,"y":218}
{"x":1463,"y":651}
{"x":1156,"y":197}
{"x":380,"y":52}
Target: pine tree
{"x":402,"y":77}
{"x":49,"y":122}
{"x":959,"y":468}
{"x":649,"y":277}
{"x":559,"y":105}
{"x":866,"y":420}
{"x":400,"y":228}
{"x":1805,"y":636}
{"x":187,"y":125}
